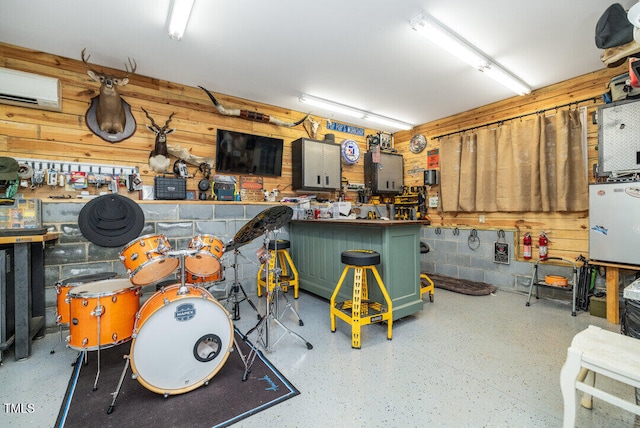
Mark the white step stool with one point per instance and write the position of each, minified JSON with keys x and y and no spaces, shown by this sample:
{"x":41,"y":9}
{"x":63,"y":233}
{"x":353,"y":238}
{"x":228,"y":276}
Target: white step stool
{"x":599,"y":351}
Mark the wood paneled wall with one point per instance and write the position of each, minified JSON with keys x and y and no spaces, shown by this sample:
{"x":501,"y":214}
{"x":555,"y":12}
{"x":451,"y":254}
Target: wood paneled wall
{"x":568,"y":232}
{"x":64,"y":136}
{"x":32,"y":133}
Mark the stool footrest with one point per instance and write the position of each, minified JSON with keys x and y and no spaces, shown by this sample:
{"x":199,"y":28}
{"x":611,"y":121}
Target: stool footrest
{"x":365,"y":307}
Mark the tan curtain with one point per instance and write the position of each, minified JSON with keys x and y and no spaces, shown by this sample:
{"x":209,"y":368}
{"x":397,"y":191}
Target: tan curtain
{"x":450,"y":148}
{"x":468,"y":173}
{"x":529,"y":164}
{"x":486,"y":176}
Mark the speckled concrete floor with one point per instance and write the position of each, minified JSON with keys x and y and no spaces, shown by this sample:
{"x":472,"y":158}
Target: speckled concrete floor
{"x":461,"y":362}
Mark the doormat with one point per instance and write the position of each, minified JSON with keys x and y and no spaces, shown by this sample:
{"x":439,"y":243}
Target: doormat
{"x":225,"y":400}
{"x":461,"y":285}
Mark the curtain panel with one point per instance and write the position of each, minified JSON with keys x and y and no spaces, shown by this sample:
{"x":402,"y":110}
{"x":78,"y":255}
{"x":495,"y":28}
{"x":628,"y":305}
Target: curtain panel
{"x":529,"y":164}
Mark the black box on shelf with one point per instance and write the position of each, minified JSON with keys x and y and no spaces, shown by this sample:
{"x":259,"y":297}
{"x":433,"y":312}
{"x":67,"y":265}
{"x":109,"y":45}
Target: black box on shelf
{"x":168,"y":188}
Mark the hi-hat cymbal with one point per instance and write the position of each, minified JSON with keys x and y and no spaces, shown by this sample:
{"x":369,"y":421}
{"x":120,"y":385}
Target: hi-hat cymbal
{"x":270,"y":219}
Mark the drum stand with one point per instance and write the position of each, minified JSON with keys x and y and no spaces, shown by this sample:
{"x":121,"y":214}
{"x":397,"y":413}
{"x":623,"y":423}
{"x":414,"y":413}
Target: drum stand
{"x":233,"y":296}
{"x":272,"y":311}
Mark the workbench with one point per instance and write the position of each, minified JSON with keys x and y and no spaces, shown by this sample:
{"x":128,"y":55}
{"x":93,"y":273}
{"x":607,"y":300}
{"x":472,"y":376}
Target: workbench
{"x":613,"y":287}
{"x":317,"y":245}
{"x":22,"y":291}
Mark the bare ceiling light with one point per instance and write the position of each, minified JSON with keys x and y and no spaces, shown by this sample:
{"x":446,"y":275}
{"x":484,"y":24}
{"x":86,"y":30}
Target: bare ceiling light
{"x":353,"y":112}
{"x":179,"y":17}
{"x":456,"y":45}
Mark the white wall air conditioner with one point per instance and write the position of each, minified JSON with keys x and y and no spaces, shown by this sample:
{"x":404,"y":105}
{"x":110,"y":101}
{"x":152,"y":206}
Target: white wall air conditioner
{"x":29,"y":90}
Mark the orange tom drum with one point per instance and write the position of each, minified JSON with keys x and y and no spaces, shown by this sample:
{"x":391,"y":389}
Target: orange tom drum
{"x":201,"y":280}
{"x":102,"y":314}
{"x":180,"y":341}
{"x":146,"y":259}
{"x":64,"y":286}
{"x":206,"y":261}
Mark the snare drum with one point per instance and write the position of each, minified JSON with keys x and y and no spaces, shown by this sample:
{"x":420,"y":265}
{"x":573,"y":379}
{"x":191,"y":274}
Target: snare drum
{"x":102,"y":314}
{"x":63,"y":287}
{"x":180,"y":341}
{"x":146,"y":259}
{"x":206,"y":261}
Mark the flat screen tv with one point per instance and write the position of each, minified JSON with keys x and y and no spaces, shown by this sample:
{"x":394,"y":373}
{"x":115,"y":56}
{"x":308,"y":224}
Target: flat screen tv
{"x":239,"y":153}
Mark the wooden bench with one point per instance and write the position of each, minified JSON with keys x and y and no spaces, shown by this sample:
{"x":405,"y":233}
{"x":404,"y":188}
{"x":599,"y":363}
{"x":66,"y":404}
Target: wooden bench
{"x":599,"y":351}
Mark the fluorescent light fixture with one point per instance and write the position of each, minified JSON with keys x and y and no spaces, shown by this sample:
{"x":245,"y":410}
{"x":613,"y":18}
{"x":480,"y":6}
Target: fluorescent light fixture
{"x":179,"y":17}
{"x":353,"y":112}
{"x":456,"y":45}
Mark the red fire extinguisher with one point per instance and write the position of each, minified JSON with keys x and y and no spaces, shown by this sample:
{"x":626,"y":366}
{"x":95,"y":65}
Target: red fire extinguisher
{"x":527,"y":246}
{"x":542,"y":243}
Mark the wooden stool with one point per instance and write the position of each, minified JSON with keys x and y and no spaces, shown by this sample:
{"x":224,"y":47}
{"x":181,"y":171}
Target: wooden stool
{"x":289,"y":274}
{"x":426,"y":286}
{"x":360,"y":311}
{"x":599,"y":351}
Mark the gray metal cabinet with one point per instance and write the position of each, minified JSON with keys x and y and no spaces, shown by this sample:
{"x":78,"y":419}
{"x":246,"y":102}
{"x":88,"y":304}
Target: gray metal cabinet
{"x":386,"y":176}
{"x":316,"y":165}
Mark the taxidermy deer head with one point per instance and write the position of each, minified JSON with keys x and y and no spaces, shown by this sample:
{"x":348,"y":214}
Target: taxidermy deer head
{"x":159,"y":157}
{"x":110,"y":113}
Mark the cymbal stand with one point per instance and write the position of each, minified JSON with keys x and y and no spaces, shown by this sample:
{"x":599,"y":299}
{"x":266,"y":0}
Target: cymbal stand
{"x":272,"y":312}
{"x":237,"y":287}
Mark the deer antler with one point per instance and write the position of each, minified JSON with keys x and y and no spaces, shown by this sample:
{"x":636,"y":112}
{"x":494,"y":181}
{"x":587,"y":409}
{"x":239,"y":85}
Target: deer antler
{"x":153,"y":122}
{"x":166,"y":124}
{"x":86,"y":61}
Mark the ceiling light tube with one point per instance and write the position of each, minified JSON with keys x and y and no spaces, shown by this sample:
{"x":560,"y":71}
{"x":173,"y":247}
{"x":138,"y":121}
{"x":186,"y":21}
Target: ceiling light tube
{"x":388,"y":122}
{"x":179,"y":17}
{"x":333,"y":106}
{"x":462,"y":49}
{"x":353,"y":112}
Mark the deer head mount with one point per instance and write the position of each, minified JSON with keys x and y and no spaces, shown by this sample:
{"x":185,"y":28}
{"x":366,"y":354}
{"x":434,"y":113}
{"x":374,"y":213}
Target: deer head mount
{"x":251,"y":115}
{"x":110,"y":111}
{"x":159,"y":157}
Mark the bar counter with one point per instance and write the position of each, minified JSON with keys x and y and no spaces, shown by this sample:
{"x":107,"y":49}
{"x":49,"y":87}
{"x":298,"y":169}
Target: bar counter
{"x":317,"y":245}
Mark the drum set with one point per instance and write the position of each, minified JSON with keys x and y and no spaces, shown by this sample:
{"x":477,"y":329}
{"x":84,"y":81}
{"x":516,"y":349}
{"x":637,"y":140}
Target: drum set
{"x":181,"y":336}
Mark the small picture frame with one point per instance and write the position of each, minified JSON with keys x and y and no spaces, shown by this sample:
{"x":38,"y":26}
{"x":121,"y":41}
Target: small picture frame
{"x":191,"y":195}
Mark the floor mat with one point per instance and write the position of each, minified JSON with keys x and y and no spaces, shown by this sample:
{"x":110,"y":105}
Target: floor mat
{"x":461,"y":285}
{"x":224,"y":401}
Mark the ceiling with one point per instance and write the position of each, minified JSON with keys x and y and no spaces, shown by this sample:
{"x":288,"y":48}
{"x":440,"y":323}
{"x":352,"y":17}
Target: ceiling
{"x":361,"y":53}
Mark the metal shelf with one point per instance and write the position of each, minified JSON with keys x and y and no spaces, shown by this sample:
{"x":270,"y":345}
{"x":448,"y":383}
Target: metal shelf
{"x":571,"y":286}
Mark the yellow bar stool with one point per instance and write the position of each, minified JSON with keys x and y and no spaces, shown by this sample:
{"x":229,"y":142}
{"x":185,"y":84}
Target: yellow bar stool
{"x":426,"y":286}
{"x":360,"y":310}
{"x":288,"y":274}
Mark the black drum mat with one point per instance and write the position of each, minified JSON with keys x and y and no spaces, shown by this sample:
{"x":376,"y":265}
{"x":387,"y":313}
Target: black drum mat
{"x":224,"y":401}
{"x":461,"y":285}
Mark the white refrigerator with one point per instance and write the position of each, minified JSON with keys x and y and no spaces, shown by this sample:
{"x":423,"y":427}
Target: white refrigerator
{"x":614,"y":222}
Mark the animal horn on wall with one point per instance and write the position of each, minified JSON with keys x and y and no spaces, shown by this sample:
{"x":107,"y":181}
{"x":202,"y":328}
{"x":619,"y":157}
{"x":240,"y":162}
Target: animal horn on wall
{"x":250,"y":115}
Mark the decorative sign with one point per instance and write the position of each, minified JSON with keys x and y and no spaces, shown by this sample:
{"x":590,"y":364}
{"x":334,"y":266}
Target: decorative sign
{"x":501,"y":253}
{"x":350,"y":151}
{"x":415,"y":171}
{"x":433,"y":159}
{"x":341,"y":127}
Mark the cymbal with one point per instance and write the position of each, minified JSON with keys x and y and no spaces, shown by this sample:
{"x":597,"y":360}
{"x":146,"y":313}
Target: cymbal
{"x":270,"y":219}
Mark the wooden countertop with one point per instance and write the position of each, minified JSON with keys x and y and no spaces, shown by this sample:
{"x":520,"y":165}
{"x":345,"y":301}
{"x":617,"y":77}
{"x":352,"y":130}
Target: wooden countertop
{"x":49,"y":236}
{"x":365,"y":222}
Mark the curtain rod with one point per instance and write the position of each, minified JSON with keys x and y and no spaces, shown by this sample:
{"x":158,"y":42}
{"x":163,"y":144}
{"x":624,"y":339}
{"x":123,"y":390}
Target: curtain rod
{"x":594,"y":99}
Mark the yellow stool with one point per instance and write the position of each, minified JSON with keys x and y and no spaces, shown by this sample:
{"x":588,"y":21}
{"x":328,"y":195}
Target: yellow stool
{"x":426,"y":285}
{"x":360,"y":311}
{"x":288,"y":275}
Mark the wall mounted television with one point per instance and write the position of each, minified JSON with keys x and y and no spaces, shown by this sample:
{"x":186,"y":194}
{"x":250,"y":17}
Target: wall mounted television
{"x":240,"y":153}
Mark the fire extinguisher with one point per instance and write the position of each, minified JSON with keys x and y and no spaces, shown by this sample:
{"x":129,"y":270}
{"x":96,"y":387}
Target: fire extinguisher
{"x":527,"y":246}
{"x":542,"y":243}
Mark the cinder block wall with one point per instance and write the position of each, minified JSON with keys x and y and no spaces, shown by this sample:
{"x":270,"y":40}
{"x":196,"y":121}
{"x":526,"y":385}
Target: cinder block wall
{"x":72,"y":255}
{"x":454,"y":255}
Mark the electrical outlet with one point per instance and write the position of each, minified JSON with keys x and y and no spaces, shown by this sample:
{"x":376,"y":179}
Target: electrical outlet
{"x":433,"y":202}
{"x":481,"y":219}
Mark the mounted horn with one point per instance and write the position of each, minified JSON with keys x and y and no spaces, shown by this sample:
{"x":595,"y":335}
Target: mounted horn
{"x":250,"y":115}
